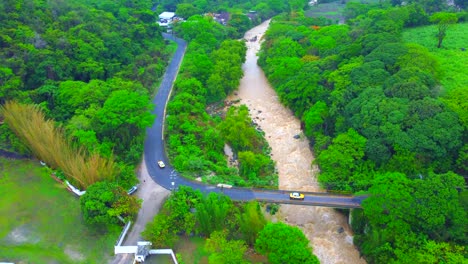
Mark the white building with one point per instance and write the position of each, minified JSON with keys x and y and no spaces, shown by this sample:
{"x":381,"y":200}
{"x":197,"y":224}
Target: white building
{"x":165,"y":18}
{"x":167,"y":15}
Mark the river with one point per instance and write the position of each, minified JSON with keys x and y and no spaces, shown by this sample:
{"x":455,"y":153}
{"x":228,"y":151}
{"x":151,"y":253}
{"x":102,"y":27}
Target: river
{"x":326,"y":229}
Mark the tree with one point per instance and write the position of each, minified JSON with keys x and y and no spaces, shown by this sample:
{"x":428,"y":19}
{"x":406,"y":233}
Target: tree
{"x":432,"y":252}
{"x":237,"y":129}
{"x":341,"y":160}
{"x":187,"y":10}
{"x":225,"y":251}
{"x":284,"y":244}
{"x":443,"y":20}
{"x":104,"y":201}
{"x":403,"y":212}
{"x":386,"y":210}
{"x":251,"y":222}
{"x":240,"y":22}
{"x":179,"y":207}
{"x":437,"y":210}
{"x":197,"y":65}
{"x":160,"y":232}
{"x":212,"y":213}
{"x":123,"y":118}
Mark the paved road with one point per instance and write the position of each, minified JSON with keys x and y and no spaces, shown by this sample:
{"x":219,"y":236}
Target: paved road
{"x":169,"y":179}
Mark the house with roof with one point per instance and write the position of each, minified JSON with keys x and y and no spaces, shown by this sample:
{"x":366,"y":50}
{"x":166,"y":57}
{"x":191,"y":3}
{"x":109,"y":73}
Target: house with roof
{"x":165,"y":18}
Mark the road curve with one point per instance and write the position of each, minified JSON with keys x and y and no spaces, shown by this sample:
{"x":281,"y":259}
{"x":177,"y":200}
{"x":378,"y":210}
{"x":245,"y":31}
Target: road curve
{"x":170,"y":179}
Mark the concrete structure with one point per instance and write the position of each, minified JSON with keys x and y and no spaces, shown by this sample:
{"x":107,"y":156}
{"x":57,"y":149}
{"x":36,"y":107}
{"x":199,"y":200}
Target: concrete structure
{"x":74,"y":189}
{"x":142,"y":250}
{"x":165,"y":18}
{"x":167,"y":15}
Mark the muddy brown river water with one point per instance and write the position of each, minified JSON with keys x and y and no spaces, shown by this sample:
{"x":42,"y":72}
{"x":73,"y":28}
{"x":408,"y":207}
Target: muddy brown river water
{"x":326,"y":229}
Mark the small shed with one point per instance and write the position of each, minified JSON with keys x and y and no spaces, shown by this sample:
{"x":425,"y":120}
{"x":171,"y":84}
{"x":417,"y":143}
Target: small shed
{"x":167,"y":15}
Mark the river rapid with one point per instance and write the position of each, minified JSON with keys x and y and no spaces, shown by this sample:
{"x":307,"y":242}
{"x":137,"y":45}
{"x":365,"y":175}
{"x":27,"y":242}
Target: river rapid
{"x":326,"y":229}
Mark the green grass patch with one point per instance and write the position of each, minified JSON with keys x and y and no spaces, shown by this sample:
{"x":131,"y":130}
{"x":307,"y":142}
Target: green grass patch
{"x":192,"y":250}
{"x":453,"y":61}
{"x":332,"y":10}
{"x":41,"y":221}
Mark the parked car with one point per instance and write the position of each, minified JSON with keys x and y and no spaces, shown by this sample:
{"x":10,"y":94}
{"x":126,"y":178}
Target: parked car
{"x":161,"y":164}
{"x":296,"y":196}
{"x":132,"y":190}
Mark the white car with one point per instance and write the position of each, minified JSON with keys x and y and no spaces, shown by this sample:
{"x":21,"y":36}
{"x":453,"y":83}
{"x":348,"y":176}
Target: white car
{"x":161,"y":164}
{"x":132,"y":190}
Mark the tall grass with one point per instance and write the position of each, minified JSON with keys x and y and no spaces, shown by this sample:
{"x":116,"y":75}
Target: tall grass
{"x":48,"y":143}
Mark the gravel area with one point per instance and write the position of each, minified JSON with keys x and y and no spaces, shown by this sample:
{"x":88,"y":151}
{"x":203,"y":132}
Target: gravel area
{"x":153,"y":196}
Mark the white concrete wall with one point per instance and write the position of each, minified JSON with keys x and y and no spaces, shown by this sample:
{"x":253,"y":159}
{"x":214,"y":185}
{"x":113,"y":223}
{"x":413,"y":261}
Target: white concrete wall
{"x":126,"y":250}
{"x":164,"y":251}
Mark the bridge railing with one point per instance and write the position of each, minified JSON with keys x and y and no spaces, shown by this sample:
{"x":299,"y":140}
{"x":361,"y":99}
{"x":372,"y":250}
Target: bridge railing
{"x":332,"y":205}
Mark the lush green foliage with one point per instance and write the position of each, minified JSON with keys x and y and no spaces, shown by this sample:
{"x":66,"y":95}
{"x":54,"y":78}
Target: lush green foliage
{"x":387,"y":92}
{"x":176,"y":217}
{"x":251,"y":222}
{"x":43,"y":222}
{"x":443,"y":20}
{"x":81,"y":61}
{"x":103,"y":202}
{"x":255,"y":164}
{"x":263,"y":9}
{"x":225,"y":251}
{"x":229,"y":226}
{"x":211,"y":70}
{"x":284,"y":244}
{"x":212,"y":213}
{"x":405,"y":214}
{"x":372,"y":106}
{"x":451,"y":59}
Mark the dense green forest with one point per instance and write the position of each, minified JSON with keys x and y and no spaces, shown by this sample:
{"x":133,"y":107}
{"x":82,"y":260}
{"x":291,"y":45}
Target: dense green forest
{"x":383,"y":116}
{"x":197,"y":126}
{"x":230,"y":228}
{"x":381,"y":121}
{"x":91,"y":66}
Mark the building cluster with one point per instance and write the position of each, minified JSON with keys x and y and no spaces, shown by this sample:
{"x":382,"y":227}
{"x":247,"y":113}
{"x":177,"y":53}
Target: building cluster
{"x":167,"y":18}
{"x":221,"y":18}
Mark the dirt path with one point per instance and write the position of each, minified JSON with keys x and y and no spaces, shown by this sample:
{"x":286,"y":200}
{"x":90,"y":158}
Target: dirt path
{"x":153,"y":196}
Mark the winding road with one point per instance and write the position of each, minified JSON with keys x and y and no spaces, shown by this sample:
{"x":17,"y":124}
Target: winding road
{"x":168,"y":178}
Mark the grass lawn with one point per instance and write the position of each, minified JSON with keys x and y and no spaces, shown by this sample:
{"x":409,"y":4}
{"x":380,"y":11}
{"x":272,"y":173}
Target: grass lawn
{"x":41,"y":221}
{"x":452,"y":59}
{"x":332,"y":10}
{"x":192,"y":250}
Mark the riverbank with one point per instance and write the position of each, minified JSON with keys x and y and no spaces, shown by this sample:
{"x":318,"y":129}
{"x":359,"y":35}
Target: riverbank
{"x":326,"y":229}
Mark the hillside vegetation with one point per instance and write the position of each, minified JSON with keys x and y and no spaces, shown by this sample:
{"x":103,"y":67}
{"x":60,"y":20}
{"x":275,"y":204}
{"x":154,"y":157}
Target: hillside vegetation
{"x":90,"y":66}
{"x":452,"y":58}
{"x":375,"y":107}
{"x":197,"y":128}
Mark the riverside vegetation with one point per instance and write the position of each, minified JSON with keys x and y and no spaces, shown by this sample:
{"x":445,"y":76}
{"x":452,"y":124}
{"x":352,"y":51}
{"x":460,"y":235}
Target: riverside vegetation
{"x":385,"y":115}
{"x":374,"y":107}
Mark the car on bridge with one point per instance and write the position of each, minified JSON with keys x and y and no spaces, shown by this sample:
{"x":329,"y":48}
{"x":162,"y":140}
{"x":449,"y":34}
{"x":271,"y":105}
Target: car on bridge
{"x":161,"y":164}
{"x":296,"y":196}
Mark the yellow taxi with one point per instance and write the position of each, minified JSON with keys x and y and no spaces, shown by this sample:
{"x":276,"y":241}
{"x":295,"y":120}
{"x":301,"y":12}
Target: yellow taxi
{"x":296,"y":196}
